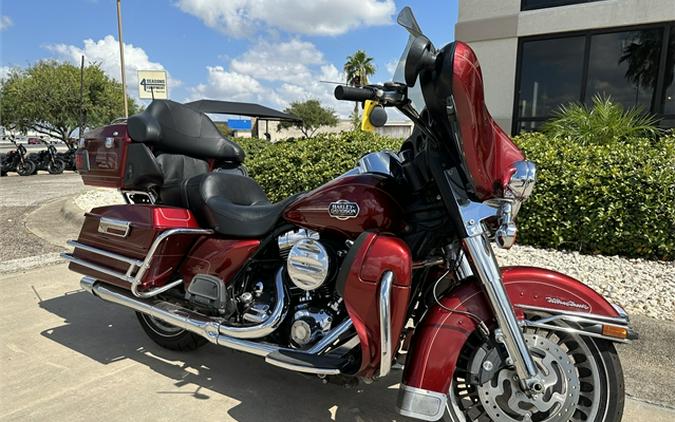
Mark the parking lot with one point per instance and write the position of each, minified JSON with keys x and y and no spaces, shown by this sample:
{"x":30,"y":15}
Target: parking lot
{"x":67,"y":356}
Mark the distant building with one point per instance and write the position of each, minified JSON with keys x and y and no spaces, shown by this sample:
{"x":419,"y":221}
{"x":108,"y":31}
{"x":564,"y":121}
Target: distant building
{"x":539,"y":54}
{"x":392,"y":129}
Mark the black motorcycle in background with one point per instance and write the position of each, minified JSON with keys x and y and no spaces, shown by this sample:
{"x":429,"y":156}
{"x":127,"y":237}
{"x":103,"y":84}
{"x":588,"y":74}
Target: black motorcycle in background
{"x":47,"y":159}
{"x":16,"y":161}
{"x":68,"y":157}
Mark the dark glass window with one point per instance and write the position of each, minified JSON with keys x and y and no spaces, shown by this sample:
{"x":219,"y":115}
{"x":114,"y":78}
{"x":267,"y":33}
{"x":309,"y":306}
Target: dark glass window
{"x":543,"y":4}
{"x":551,"y":74}
{"x":634,"y":67}
{"x":625,"y":67}
{"x":668,"y":76}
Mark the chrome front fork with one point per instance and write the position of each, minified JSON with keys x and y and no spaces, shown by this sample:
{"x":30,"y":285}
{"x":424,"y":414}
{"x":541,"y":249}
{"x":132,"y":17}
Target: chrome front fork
{"x":485,"y":266}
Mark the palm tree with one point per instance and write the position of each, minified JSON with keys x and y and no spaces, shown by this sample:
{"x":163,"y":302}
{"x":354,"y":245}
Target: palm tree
{"x":358,"y":67}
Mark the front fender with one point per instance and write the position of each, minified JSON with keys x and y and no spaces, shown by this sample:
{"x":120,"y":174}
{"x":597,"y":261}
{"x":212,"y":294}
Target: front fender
{"x":441,"y":335}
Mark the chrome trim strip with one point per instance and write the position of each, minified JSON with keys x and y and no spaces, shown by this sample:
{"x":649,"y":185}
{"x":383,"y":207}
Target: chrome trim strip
{"x":300,"y":368}
{"x":106,"y":224}
{"x":95,"y":267}
{"x":617,"y":320}
{"x":571,"y":330}
{"x":384,"y":306}
{"x":105,"y":253}
{"x":421,"y":404}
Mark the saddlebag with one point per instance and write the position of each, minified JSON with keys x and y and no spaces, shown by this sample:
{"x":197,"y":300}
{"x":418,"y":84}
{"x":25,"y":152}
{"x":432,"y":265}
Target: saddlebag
{"x":116,"y":241}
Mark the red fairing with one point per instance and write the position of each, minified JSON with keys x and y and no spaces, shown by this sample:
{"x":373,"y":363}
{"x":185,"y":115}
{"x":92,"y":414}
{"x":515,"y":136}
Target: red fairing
{"x":219,"y":257}
{"x":377,"y":254}
{"x":488,"y":152}
{"x":377,"y":208}
{"x":439,"y":338}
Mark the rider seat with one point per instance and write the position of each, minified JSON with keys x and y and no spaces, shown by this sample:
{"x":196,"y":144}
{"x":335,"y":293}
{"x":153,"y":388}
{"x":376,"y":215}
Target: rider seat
{"x":231,"y":204}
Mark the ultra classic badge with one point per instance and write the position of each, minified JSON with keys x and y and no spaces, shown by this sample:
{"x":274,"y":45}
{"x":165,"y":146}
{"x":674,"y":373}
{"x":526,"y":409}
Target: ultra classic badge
{"x":343,"y":210}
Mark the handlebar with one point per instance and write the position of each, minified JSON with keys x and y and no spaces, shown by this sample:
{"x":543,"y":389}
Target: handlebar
{"x":352,"y":93}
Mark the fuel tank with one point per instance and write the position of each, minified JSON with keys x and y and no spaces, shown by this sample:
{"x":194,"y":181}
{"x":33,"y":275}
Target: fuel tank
{"x":350,"y":205}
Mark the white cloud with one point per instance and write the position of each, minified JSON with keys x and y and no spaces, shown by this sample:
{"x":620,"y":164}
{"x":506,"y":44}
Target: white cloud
{"x":106,"y":52}
{"x":275,"y":74}
{"x":391,"y":66}
{"x":5,"y":22}
{"x":242,"y":18}
{"x":283,"y":61}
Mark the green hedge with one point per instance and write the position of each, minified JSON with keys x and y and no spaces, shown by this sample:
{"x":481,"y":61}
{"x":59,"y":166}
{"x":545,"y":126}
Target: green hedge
{"x":614,"y":199}
{"x":287,"y":167}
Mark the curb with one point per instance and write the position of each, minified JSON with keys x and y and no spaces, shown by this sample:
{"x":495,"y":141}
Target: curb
{"x":71,"y":212}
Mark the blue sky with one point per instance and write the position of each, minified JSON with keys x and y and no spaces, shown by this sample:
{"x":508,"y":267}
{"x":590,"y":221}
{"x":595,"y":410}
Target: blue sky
{"x":267,"y":51}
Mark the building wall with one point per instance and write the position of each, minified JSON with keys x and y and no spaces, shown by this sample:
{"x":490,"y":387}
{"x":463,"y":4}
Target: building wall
{"x":392,"y":129}
{"x":492,"y":28}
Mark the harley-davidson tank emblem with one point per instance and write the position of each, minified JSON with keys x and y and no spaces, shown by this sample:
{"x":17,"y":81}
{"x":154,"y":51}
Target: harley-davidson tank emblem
{"x":568,"y":303}
{"x":343,"y":210}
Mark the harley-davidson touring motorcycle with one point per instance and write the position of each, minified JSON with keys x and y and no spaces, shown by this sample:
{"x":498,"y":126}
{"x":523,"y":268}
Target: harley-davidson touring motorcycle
{"x":389,"y":263}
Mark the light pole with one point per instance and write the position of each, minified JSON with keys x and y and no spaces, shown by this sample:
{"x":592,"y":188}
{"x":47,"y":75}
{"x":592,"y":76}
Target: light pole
{"x":124,"y":77}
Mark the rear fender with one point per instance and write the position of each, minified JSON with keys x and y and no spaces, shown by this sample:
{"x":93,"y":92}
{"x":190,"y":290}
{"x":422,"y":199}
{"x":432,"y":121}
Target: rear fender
{"x":358,"y":282}
{"x":440,"y":336}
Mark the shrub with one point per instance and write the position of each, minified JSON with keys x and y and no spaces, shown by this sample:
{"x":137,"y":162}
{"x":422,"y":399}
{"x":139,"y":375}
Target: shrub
{"x":288,"y":167}
{"x":605,"y":122}
{"x":614,"y":199}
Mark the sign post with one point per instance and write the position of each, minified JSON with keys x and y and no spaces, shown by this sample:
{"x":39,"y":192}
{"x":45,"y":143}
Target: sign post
{"x":152,"y":85}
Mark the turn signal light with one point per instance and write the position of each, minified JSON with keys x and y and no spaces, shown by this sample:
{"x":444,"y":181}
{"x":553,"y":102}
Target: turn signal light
{"x":614,"y":331}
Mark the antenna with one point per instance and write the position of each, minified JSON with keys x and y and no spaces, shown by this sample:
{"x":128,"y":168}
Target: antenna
{"x":331,"y":82}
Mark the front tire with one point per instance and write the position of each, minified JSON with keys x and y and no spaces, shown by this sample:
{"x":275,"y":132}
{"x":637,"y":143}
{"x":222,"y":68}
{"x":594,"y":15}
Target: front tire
{"x":595,"y":367}
{"x":169,"y":336}
{"x":56,"y":167}
{"x":26,"y":168}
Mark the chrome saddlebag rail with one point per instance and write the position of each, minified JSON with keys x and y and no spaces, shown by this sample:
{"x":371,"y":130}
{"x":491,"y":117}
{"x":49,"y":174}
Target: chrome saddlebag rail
{"x":136,"y":268}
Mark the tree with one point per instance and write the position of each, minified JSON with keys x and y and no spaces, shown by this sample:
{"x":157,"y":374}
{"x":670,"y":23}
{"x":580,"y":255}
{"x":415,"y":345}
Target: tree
{"x":313,"y":117}
{"x":46,"y":98}
{"x":358,"y":67}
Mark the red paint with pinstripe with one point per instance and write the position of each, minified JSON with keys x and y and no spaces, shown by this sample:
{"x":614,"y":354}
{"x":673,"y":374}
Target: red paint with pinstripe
{"x":379,"y":253}
{"x":440,"y":336}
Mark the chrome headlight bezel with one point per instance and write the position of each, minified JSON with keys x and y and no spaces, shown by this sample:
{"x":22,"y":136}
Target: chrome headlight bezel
{"x":522,"y":181}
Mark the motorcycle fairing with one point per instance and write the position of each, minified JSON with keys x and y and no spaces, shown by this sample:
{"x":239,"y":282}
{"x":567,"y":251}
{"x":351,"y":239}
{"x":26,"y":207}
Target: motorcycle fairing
{"x":488,"y":153}
{"x":358,"y":281}
{"x":441,"y":335}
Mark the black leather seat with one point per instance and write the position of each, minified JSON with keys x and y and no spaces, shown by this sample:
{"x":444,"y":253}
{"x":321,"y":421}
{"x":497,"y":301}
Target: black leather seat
{"x":232,"y":205}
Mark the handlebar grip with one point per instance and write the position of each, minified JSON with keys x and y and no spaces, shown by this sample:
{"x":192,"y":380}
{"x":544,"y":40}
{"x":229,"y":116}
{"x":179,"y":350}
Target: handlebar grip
{"x":352,"y":93}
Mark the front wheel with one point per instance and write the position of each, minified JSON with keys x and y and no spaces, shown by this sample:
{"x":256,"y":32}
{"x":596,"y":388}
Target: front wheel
{"x":26,"y":168}
{"x":169,"y":336}
{"x":582,"y":376}
{"x":56,"y":167}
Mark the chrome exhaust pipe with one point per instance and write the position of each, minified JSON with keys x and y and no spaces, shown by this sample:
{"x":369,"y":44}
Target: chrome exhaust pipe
{"x":213,"y":331}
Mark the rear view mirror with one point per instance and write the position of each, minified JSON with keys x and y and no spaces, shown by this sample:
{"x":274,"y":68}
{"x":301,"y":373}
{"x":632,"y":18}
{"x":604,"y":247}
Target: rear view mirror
{"x":374,"y":116}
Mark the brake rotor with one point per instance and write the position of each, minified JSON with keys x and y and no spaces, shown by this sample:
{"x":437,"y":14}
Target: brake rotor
{"x":504,"y":401}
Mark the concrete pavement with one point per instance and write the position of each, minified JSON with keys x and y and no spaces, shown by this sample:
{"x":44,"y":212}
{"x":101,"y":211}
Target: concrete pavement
{"x":66,"y":355}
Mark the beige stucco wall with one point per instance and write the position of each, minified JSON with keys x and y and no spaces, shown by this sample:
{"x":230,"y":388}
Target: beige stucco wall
{"x":492,"y":28}
{"x":393,"y":129}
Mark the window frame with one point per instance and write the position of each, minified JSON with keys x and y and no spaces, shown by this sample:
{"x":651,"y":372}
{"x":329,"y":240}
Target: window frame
{"x":555,"y":3}
{"x":668,"y":27}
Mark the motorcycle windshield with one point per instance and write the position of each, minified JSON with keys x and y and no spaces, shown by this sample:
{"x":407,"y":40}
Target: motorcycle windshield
{"x":414,"y":92}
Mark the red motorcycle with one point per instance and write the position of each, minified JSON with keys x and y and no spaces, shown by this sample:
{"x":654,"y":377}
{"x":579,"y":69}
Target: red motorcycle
{"x":390,"y":262}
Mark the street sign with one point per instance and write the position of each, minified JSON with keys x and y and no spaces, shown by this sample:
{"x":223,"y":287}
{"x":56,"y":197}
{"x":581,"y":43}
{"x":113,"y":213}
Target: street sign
{"x":152,"y":85}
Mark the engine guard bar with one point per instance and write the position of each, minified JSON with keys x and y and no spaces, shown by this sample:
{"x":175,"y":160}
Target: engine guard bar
{"x":137,"y":268}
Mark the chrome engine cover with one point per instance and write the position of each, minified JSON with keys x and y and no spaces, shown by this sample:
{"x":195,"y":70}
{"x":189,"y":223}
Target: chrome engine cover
{"x":308,"y":264}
